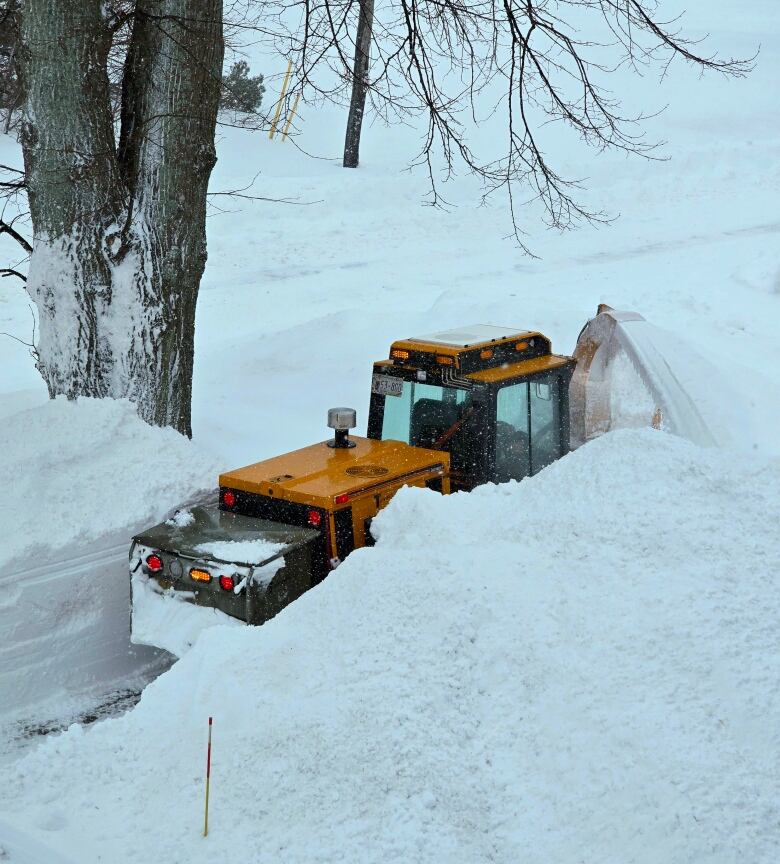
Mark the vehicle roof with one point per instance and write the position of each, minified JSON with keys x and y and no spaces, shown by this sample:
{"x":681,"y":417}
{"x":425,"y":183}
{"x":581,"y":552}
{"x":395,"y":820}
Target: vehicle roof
{"x":524,"y":368}
{"x":471,"y":336}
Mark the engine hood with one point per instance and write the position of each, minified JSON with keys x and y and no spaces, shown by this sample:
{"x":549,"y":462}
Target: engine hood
{"x":318,"y":474}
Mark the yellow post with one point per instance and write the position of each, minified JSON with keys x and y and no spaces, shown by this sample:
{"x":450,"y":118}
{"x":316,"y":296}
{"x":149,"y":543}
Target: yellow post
{"x":278,"y":111}
{"x":290,"y":118}
{"x":208,"y":781}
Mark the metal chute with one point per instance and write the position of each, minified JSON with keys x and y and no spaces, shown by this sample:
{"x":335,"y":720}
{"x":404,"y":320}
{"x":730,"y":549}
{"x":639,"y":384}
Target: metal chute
{"x":676,"y":383}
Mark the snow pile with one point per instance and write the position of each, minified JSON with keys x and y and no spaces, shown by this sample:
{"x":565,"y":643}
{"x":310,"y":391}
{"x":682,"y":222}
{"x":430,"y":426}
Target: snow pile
{"x":181,"y":519}
{"x":168,"y":619}
{"x":581,"y":667}
{"x":80,"y":479}
{"x":83,"y":469}
{"x":241,"y":551}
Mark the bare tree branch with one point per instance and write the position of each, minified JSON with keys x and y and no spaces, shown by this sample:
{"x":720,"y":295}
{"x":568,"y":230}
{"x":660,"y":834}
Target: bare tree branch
{"x":7,"y":228}
{"x":8,"y":271}
{"x":460,"y":64}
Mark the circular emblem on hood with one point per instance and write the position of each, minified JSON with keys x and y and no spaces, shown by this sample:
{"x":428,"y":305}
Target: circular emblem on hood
{"x":367,"y":471}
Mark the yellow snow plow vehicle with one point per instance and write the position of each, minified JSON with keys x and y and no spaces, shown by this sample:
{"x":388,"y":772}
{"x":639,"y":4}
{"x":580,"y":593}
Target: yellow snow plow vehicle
{"x":448,"y":411}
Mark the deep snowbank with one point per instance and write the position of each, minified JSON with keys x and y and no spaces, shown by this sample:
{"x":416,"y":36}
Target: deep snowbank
{"x":79,"y":470}
{"x":80,"y":478}
{"x":581,"y":667}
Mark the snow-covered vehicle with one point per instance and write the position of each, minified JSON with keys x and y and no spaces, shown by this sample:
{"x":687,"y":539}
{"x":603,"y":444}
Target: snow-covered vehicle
{"x":448,"y":411}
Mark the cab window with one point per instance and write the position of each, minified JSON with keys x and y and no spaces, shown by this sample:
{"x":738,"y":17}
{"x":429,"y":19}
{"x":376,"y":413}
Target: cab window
{"x":545,"y":424}
{"x":422,"y":414}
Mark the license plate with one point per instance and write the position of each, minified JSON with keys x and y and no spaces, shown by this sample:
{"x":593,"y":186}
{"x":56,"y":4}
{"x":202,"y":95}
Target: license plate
{"x":385,"y":385}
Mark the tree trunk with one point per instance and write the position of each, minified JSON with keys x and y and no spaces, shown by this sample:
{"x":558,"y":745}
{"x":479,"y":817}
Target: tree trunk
{"x":74,"y":190}
{"x":169,"y":109}
{"x":120,"y":242}
{"x":359,"y":84}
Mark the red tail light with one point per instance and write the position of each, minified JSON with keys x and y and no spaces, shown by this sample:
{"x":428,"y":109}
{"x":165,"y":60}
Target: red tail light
{"x":229,"y":498}
{"x":227,"y":583}
{"x":341,"y":499}
{"x":314,"y":518}
{"x":154,"y":563}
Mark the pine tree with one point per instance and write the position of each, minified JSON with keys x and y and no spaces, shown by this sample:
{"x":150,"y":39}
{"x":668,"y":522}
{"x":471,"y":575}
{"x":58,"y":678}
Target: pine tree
{"x":239,"y":91}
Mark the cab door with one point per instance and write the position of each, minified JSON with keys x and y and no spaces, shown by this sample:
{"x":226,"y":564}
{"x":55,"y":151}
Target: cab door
{"x":529,"y":432}
{"x":544,"y":405}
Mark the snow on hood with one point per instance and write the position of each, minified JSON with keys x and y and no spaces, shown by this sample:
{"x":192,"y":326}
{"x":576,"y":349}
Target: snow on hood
{"x":81,"y":470}
{"x":580,"y":667}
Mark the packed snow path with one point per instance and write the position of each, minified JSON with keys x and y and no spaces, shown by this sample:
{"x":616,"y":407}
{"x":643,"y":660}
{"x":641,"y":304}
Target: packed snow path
{"x":66,"y":636}
{"x":85,"y":477}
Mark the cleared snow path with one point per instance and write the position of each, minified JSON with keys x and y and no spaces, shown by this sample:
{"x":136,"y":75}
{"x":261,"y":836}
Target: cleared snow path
{"x":66,"y":636}
{"x":84,"y":477}
{"x":17,"y":847}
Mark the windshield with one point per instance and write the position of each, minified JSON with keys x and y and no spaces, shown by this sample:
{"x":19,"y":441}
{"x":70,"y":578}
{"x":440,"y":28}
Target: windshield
{"x":421,"y":413}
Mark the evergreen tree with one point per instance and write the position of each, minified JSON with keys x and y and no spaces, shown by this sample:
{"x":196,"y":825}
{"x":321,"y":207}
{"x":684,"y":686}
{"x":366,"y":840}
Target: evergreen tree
{"x":239,"y":91}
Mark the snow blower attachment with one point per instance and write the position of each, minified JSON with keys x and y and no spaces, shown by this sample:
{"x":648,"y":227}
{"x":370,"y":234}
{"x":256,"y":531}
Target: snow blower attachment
{"x":448,"y":411}
{"x":631,"y":373}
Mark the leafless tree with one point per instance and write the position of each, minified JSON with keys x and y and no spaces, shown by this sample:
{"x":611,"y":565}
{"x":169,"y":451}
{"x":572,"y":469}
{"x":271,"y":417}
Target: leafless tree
{"x":457,"y":64}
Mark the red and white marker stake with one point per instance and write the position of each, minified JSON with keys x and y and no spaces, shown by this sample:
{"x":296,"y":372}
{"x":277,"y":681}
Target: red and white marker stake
{"x":208,"y":780}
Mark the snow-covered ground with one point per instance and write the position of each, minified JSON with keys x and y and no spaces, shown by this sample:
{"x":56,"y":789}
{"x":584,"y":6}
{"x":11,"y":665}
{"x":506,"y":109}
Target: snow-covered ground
{"x":594,"y":680}
{"x":581,"y":667}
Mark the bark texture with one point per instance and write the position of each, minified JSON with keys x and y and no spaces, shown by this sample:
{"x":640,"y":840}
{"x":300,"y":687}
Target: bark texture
{"x":359,"y":84}
{"x":73,"y":189}
{"x":120,"y":242}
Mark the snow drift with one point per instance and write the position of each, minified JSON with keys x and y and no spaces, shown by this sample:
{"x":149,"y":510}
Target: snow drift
{"x":581,"y":667}
{"x":84,"y":476}
{"x":83,"y":469}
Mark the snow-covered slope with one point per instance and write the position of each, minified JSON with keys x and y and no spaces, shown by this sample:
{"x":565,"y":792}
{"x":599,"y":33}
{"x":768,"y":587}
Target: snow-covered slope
{"x":299,"y":298}
{"x":593,"y":681}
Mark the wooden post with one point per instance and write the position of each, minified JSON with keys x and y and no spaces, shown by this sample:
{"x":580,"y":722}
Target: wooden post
{"x":290,"y":118}
{"x":278,"y":111}
{"x":208,"y":781}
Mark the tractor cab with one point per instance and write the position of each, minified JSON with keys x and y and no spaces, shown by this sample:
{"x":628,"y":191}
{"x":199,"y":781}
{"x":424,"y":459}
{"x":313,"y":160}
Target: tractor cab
{"x":494,"y":398}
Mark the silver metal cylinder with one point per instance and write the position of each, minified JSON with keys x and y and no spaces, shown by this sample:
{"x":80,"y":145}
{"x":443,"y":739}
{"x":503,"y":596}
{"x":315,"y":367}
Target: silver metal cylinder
{"x":342,"y":419}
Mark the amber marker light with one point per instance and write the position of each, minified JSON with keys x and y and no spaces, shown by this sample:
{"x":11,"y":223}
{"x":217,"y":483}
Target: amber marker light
{"x":398,"y":354}
{"x":445,"y":361}
{"x":200,"y":575}
{"x":521,"y":346}
{"x":486,"y":354}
